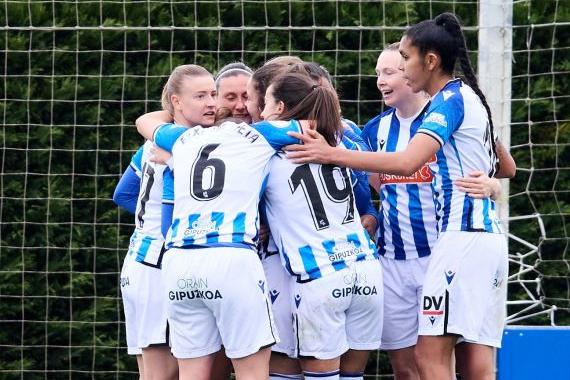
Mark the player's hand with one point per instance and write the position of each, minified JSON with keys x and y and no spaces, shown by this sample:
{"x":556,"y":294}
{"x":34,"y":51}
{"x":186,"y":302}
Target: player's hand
{"x":314,"y":148}
{"x":159,"y":155}
{"x":369,"y":223}
{"x":477,"y":185}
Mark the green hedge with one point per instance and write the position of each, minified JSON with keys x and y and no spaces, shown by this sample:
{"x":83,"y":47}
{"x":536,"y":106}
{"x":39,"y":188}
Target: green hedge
{"x":71,"y":94}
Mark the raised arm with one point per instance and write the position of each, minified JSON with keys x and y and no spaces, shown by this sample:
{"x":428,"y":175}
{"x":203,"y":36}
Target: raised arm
{"x":147,"y":123}
{"x":406,"y":162}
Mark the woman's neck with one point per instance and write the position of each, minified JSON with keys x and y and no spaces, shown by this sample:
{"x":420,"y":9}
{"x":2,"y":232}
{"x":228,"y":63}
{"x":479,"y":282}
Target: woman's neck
{"x":411,"y":106}
{"x":437,"y":83}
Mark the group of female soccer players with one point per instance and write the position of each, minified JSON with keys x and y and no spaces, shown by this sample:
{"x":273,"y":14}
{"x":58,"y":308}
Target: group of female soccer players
{"x":254,"y":222}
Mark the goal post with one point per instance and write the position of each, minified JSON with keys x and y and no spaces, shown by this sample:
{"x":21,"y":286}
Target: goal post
{"x":494,"y":63}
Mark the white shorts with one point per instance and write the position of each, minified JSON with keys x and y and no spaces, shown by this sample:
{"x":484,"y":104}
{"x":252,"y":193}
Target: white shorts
{"x":217,"y":296}
{"x":279,"y":284}
{"x":340,"y":311}
{"x":465,"y":289}
{"x":144,"y":304}
{"x":403,"y":283}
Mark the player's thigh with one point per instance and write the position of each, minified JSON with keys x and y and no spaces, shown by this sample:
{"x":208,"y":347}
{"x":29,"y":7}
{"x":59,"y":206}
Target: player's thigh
{"x":458,"y":289}
{"x":243,"y":313}
{"x":278,"y":286}
{"x":193,"y":329}
{"x":319,"y":311}
{"x":403,"y":282}
{"x":364,"y":316}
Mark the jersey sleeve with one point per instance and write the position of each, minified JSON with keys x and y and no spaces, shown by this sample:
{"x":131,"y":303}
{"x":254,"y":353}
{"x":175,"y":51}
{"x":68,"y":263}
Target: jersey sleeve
{"x":444,"y":119}
{"x":351,"y":125}
{"x":127,"y":191}
{"x":360,"y":186}
{"x":370,"y":133}
{"x":166,"y":135}
{"x":136,"y":161}
{"x":275,"y":132}
{"x":168,"y":186}
{"x":356,"y":139}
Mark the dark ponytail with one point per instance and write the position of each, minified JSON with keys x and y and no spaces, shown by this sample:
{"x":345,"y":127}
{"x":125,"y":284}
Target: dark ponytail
{"x":304,"y":99}
{"x":444,"y":36}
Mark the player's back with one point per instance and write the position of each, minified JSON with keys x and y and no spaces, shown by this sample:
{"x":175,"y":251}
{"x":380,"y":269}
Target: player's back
{"x":313,"y":219}
{"x":219,"y":174}
{"x":147,"y":239}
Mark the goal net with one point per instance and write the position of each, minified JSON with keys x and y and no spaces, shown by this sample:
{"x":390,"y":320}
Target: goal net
{"x":77,"y":73}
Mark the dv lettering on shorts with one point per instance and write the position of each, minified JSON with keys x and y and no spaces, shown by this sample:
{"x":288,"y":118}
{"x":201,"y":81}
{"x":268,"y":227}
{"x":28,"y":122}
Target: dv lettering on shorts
{"x":356,"y":290}
{"x":433,"y":305}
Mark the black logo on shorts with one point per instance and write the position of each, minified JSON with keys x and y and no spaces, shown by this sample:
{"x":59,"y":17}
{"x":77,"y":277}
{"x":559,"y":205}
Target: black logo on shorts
{"x":356,"y":290}
{"x":124,"y":282}
{"x":449,"y":276}
{"x":273,"y":294}
{"x":195,"y":294}
{"x":297,"y":300}
{"x":261,"y":285}
{"x":432,"y":307}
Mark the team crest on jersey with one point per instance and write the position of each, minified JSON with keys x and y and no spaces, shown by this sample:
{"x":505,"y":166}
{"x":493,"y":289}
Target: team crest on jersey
{"x":201,"y":228}
{"x":436,"y":118}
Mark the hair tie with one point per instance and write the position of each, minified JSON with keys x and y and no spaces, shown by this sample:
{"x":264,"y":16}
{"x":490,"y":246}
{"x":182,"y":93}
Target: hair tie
{"x":314,"y":87}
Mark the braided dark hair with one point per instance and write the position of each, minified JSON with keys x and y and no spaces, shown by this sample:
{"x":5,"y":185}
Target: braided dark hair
{"x":443,"y":35}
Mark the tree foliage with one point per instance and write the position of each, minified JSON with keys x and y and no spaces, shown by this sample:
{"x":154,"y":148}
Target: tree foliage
{"x":72,"y":91}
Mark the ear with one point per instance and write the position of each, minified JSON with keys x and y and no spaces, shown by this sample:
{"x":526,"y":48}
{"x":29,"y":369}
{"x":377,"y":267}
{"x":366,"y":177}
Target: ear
{"x":431,"y":60}
{"x":175,"y":100}
{"x":280,"y":107}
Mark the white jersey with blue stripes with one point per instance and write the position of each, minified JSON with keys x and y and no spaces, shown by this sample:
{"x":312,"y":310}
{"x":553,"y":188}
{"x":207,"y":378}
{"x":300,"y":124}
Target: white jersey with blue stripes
{"x":457,"y":119}
{"x":408,"y":226}
{"x":147,"y":240}
{"x":313,"y":218}
{"x":220,"y":174}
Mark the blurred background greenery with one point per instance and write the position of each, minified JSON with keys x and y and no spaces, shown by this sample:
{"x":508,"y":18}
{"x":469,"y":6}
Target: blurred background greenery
{"x":76,"y":74}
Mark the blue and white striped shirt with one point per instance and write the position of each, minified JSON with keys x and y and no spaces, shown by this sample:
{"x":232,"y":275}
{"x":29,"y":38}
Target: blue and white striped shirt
{"x":458,"y":121}
{"x":408,"y":226}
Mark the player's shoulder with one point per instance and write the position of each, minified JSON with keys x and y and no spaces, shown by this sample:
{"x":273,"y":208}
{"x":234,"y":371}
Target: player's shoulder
{"x":375,"y":121}
{"x":450,"y":96}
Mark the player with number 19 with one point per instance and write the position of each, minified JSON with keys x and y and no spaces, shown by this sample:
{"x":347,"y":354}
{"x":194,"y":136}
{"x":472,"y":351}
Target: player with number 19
{"x":335,"y":277}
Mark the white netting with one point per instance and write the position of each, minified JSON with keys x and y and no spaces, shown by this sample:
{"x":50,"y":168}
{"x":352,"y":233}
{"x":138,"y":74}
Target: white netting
{"x":76,"y":74}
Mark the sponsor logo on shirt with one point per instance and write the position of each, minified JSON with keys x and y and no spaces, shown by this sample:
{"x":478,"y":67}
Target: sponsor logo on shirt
{"x":436,"y":118}
{"x":423,"y":175}
{"x":343,"y":250}
{"x":200,"y":228}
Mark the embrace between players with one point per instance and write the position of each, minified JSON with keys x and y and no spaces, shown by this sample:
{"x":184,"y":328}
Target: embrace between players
{"x":254,"y":222}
